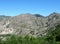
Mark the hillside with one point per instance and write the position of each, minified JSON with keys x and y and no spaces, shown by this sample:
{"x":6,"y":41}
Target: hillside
{"x":24,"y":24}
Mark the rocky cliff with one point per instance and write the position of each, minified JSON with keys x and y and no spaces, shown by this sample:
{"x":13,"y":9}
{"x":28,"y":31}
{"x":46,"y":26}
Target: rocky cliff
{"x":24,"y":24}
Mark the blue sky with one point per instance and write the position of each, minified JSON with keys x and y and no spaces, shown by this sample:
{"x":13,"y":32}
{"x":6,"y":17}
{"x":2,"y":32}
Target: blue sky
{"x":16,"y":7}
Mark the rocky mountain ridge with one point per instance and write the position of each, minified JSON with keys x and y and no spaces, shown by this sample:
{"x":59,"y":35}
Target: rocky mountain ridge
{"x":29,"y":24}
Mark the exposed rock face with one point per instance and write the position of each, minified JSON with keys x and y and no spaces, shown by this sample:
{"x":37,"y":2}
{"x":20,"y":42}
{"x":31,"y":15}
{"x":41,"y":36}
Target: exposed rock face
{"x":53,"y":19}
{"x":28,"y":24}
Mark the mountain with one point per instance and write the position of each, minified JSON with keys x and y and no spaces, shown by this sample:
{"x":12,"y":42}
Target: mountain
{"x":2,"y":17}
{"x":24,"y":24}
{"x":38,"y":15}
{"x":53,"y":19}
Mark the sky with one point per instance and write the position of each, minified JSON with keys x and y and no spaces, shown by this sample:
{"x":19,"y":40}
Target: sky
{"x":16,"y":7}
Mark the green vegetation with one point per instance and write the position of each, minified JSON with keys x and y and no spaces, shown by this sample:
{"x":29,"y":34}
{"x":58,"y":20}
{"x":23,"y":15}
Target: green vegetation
{"x":23,"y":40}
{"x":52,"y":37}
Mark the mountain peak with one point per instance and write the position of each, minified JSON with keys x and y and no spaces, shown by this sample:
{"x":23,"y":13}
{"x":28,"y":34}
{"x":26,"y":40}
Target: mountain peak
{"x":38,"y":15}
{"x":54,"y":14}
